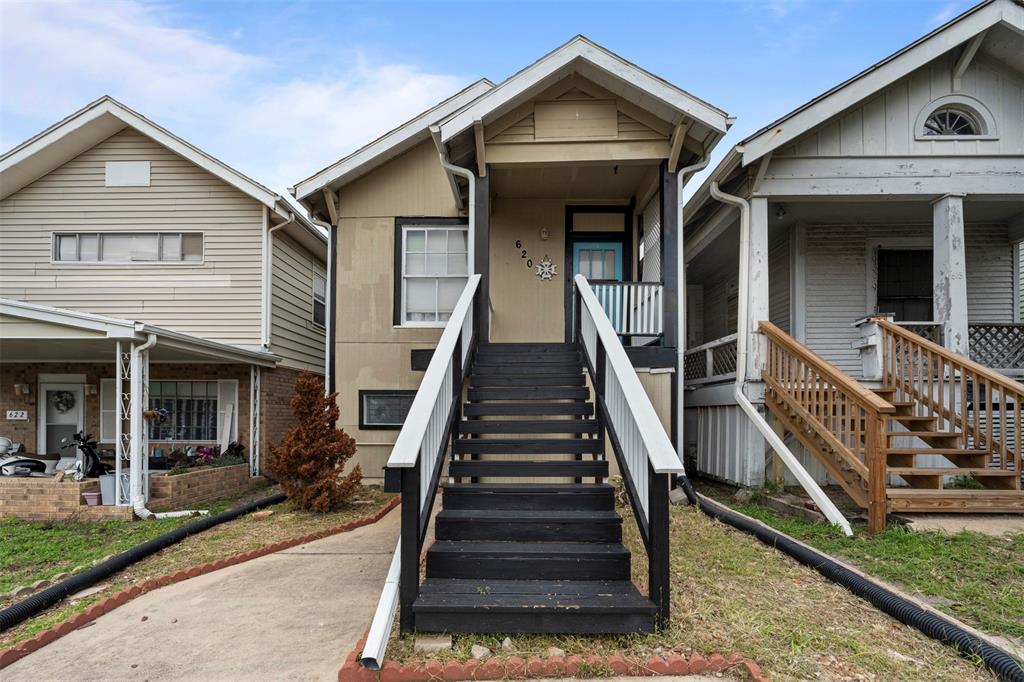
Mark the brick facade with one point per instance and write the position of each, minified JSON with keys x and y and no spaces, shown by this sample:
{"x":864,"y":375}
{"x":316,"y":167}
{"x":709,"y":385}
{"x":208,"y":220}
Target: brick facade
{"x":277,"y":387}
{"x":188,"y":491}
{"x":47,"y":499}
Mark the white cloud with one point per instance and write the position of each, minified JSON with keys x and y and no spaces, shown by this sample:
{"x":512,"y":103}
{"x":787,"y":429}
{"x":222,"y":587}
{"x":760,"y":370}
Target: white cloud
{"x":254,"y":112}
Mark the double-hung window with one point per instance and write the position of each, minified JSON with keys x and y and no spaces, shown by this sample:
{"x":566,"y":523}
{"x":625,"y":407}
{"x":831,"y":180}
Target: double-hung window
{"x":319,"y":300}
{"x":434,"y":271}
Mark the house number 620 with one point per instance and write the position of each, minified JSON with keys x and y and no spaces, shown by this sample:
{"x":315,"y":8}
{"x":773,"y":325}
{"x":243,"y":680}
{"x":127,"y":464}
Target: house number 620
{"x":529,"y":261}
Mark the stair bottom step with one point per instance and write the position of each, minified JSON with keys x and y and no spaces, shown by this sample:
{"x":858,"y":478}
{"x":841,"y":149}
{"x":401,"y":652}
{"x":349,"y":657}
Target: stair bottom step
{"x":532,"y":606}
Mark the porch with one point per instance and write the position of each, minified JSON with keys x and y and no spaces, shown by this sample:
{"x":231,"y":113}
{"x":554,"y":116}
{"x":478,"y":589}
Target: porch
{"x":152,"y":399}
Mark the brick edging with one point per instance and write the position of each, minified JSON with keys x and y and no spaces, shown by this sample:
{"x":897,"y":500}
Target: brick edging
{"x":22,"y":649}
{"x":516,"y":668}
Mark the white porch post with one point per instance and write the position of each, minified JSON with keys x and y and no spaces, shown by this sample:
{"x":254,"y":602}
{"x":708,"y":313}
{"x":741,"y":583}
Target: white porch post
{"x":254,"y":421}
{"x":757,"y":291}
{"x":950,"y":271}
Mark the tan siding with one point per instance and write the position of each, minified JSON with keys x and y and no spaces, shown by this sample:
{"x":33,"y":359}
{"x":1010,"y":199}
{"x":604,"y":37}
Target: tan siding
{"x":218,"y":299}
{"x":293,"y":335}
{"x":414,"y":184}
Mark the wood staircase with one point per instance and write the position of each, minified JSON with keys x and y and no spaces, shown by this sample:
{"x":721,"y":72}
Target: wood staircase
{"x":933,"y":404}
{"x":528,"y":539}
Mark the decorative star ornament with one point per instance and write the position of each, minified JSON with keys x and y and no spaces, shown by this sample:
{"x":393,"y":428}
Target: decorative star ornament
{"x":546,"y":269}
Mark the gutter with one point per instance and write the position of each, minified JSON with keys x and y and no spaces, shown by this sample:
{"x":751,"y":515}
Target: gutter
{"x":742,"y":332}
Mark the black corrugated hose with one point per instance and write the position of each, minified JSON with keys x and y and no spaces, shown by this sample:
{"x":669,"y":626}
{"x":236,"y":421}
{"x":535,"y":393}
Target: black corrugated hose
{"x":1000,"y":662}
{"x":26,"y":608}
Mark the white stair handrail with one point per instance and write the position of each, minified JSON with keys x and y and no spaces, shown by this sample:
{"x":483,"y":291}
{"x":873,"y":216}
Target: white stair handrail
{"x":660,"y":452}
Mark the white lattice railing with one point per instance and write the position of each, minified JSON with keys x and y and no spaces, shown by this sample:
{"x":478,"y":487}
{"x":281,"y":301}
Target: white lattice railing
{"x":633,"y":308}
{"x":711,"y":362}
{"x":644,"y":451}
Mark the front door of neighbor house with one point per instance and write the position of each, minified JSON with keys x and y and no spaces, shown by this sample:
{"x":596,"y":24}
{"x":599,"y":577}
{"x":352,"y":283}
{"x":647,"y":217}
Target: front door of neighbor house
{"x":61,"y":415}
{"x":905,"y":284}
{"x":599,"y":262}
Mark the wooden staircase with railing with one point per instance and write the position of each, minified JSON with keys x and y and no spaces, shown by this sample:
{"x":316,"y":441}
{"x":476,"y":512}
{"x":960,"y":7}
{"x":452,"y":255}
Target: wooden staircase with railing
{"x":938,"y":421}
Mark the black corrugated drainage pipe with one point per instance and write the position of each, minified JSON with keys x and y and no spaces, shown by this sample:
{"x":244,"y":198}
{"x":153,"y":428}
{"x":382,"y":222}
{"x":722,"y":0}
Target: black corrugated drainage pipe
{"x":952,"y":634}
{"x":26,"y":608}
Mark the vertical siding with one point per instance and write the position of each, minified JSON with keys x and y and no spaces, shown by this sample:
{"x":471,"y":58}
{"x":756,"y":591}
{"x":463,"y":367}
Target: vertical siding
{"x":837,"y":280}
{"x":720,"y":306}
{"x":293,"y":335}
{"x":885,"y":124}
{"x":778,"y":284}
{"x":721,"y":438}
{"x":218,"y":299}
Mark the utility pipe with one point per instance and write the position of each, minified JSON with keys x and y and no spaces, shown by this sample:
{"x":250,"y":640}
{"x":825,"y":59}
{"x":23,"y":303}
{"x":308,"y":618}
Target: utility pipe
{"x":377,"y":636}
{"x":268,"y":276}
{"x":681,"y":299}
{"x":742,"y":332}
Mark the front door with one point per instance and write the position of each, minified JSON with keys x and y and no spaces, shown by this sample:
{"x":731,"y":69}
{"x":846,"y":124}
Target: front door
{"x":61,"y":415}
{"x":905,"y":284}
{"x":598,"y":262}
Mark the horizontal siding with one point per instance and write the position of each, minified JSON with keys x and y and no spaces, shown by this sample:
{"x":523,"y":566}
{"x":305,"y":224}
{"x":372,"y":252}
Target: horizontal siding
{"x":293,"y":335}
{"x":218,"y":299}
{"x":837,"y":280}
{"x":885,"y":124}
{"x":778,"y":284}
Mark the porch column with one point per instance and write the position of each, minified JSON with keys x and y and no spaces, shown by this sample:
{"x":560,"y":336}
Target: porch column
{"x":757,"y":288}
{"x":482,"y":254}
{"x":950,"y":271}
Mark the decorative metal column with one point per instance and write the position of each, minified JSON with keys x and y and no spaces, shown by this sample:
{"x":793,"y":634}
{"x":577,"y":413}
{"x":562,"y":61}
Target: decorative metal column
{"x":122,"y":438}
{"x":254,"y":421}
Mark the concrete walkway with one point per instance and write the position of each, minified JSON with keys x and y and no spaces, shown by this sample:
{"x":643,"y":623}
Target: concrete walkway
{"x":294,"y":615}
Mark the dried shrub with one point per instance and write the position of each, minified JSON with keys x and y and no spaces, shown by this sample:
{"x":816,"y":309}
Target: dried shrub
{"x":310,"y":461}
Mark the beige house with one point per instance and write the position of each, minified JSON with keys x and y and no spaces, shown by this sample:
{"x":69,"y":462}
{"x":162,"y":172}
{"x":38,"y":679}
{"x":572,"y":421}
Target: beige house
{"x":138,"y":272}
{"x":575,"y":162}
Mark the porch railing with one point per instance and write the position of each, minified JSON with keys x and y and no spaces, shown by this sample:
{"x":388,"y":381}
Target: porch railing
{"x":635,"y":309}
{"x":417,"y":458}
{"x":997,"y":346}
{"x":643,"y":450}
{"x":839,"y":420}
{"x":711,"y":362}
{"x":981,"y":405}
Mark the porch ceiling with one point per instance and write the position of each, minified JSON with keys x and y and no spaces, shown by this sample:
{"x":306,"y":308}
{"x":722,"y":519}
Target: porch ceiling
{"x":604,"y":182}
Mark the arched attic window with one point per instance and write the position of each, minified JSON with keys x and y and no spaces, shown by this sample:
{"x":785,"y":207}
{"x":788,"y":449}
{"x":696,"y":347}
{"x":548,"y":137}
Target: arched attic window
{"x":953,"y":117}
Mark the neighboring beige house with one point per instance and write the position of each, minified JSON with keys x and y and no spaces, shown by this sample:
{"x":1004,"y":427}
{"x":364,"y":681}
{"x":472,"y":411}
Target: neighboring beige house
{"x":115,"y":234}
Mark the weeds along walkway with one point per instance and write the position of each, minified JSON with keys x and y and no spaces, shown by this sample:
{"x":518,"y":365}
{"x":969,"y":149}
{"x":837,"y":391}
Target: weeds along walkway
{"x":286,"y":616}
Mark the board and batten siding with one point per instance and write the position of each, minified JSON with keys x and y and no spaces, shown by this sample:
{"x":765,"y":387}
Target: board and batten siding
{"x":293,"y":336}
{"x":836,"y":280}
{"x":217,"y":299}
{"x":885,"y":124}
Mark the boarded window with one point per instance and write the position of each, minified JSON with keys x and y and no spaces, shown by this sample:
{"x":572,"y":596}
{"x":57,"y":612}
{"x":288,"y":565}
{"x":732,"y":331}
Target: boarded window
{"x":127,"y":174}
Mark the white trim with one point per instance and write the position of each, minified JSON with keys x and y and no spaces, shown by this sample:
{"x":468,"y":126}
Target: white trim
{"x":425,"y":324}
{"x":43,"y":386}
{"x":971,"y":105}
{"x":389,"y":145}
{"x":880,"y":75}
{"x":54,"y":260}
{"x":643,"y":87}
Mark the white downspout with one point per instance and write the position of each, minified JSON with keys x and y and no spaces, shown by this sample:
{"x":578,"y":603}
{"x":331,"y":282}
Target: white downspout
{"x":471,"y":179}
{"x":268,"y":276}
{"x":681,"y":299}
{"x":742,"y":331}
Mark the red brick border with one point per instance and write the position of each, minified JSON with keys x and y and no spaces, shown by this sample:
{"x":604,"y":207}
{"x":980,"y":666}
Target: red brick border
{"x":515,"y":668}
{"x":8,"y":656}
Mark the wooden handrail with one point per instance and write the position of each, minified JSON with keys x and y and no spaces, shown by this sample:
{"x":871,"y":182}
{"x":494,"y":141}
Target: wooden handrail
{"x":948,"y":355}
{"x":839,"y":378}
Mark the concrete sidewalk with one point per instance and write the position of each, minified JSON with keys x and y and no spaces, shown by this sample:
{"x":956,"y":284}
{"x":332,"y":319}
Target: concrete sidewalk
{"x":293,"y":615}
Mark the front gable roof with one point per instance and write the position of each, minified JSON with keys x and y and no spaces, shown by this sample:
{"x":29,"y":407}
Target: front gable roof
{"x":974,"y":22}
{"x":600,"y":66}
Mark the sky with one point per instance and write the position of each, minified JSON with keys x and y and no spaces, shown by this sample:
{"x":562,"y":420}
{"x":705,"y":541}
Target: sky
{"x":279,"y":90}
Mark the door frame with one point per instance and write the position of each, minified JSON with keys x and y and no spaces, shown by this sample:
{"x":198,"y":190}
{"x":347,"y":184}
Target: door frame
{"x":44,"y":386}
{"x":571,"y":237}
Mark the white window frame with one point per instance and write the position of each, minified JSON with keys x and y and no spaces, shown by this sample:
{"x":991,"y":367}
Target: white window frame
{"x":315,"y":299}
{"x":55,"y":246}
{"x":969,"y":105}
{"x":428,"y":324}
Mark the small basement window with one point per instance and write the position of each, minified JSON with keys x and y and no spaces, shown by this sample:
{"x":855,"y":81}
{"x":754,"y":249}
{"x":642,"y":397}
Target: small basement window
{"x":128,"y":247}
{"x":384,"y":409}
{"x":319,"y":300}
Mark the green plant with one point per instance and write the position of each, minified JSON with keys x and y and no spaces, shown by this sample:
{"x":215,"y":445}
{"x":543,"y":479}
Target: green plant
{"x":311,"y":458}
{"x":178,"y":470}
{"x":227,"y":460}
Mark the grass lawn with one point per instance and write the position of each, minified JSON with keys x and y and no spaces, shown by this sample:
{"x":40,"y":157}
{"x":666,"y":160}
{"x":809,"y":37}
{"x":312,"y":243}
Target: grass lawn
{"x":731,"y":594}
{"x":974,"y":577}
{"x":37,"y":544}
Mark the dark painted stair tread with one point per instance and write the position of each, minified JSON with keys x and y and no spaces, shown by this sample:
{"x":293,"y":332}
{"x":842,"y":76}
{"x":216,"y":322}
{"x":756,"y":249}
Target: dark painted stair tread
{"x":528,"y":468}
{"x":534,"y":525}
{"x":535,"y":346}
{"x":529,"y":446}
{"x":528,"y":426}
{"x":531,"y":515}
{"x":586,"y":496}
{"x":529,"y":359}
{"x":543,"y":550}
{"x":529,"y":393}
{"x":547,"y":379}
{"x":531,"y":409}
{"x":507,"y":595}
{"x":487,"y":370}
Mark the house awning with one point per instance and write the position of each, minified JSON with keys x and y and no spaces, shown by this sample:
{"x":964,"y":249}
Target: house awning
{"x":30,"y":332}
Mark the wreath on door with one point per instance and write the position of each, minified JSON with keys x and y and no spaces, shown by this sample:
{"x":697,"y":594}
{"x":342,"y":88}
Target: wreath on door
{"x":62,"y":401}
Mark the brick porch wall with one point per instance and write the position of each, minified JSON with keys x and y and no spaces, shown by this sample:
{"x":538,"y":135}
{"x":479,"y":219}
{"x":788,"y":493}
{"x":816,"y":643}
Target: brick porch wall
{"x":47,"y":499}
{"x":188,"y":491}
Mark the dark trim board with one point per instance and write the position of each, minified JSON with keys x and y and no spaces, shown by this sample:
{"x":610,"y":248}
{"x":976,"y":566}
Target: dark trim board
{"x":379,"y":427}
{"x":332,"y":318}
{"x":420,"y":358}
{"x":396,"y":275}
{"x":654,"y":357}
